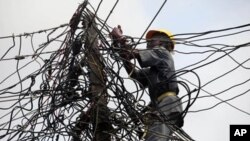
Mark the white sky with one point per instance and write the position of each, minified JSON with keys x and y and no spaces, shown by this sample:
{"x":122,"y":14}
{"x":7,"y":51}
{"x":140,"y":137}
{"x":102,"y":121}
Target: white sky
{"x":178,"y":16}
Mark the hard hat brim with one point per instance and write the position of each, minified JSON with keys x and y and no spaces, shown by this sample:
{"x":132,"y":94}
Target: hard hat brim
{"x":150,"y":34}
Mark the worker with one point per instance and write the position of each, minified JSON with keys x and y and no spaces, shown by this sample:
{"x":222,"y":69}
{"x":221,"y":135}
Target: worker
{"x":157,"y":73}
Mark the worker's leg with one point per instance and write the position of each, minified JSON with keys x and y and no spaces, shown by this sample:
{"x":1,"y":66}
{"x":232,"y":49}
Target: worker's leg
{"x":158,"y":131}
{"x":168,"y":108}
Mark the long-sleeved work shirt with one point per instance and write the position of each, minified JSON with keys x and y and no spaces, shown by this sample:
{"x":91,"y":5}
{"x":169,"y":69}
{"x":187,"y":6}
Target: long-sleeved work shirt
{"x":158,"y":71}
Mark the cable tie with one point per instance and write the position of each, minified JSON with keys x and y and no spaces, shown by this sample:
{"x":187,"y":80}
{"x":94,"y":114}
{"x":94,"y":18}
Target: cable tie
{"x":19,"y":57}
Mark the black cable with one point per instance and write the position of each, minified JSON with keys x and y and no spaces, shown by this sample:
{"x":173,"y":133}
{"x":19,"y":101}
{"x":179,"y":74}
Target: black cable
{"x":53,"y":100}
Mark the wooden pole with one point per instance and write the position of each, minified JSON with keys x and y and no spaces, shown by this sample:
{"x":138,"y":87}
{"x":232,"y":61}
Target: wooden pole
{"x":97,"y":78}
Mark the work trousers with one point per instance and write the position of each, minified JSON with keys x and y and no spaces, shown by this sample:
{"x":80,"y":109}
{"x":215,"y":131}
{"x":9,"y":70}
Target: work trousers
{"x":161,"y":121}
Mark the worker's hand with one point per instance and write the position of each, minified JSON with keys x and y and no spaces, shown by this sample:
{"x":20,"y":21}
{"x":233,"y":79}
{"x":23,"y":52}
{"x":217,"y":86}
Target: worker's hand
{"x":117,"y":35}
{"x":116,"y":32}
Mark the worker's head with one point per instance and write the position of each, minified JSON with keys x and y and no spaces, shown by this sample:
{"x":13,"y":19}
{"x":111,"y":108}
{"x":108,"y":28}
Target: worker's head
{"x":160,"y":38}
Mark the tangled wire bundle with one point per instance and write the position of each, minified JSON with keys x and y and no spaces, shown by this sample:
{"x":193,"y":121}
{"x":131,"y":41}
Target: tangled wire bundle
{"x":73,"y":98}
{"x":79,"y":92}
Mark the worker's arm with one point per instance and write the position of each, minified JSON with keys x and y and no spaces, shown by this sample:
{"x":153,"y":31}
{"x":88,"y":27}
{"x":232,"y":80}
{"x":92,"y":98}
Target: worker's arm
{"x":126,"y":57}
{"x":125,"y":52}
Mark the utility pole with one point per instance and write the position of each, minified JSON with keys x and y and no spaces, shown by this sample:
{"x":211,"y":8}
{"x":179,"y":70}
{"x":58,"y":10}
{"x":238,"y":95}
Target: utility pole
{"x":98,"y":113}
{"x":97,"y":80}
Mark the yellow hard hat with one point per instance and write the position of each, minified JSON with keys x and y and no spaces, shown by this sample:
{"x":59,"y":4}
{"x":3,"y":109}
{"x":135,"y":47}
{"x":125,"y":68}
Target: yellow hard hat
{"x":150,"y":34}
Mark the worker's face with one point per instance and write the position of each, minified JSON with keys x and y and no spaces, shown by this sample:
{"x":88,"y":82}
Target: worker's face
{"x":152,"y":43}
{"x":157,"y":40}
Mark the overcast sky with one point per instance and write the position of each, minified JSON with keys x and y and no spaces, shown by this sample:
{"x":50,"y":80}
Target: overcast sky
{"x":178,"y":16}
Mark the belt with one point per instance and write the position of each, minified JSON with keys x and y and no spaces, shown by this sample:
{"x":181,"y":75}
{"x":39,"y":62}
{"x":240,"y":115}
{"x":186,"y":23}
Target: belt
{"x":166,"y":94}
